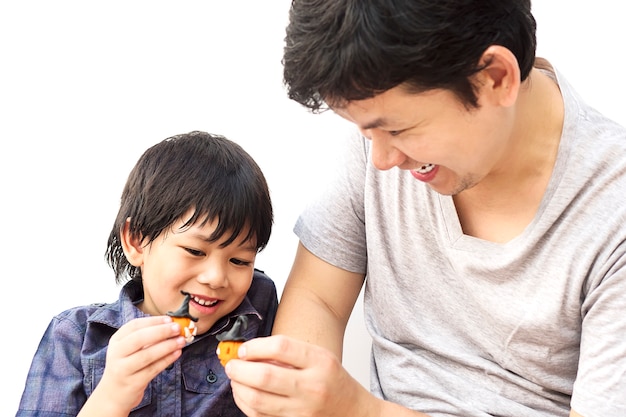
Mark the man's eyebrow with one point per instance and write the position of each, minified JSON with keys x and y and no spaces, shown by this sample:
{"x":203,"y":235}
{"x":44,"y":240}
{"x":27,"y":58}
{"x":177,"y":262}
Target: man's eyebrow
{"x":376,"y":123}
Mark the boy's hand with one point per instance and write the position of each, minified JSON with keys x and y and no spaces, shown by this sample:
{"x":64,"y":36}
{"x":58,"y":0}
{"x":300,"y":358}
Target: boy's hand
{"x":137,"y":353}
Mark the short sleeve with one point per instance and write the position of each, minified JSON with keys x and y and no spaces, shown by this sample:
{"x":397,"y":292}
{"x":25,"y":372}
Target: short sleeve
{"x":332,"y":226}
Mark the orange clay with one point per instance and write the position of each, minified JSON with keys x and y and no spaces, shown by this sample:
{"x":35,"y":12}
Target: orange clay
{"x":182,"y":322}
{"x":187,"y":327}
{"x":227,"y":350}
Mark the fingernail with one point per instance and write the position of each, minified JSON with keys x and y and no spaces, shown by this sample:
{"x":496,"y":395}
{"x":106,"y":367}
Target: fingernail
{"x":241,"y":352}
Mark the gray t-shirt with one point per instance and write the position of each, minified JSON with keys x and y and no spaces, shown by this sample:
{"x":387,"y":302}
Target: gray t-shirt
{"x":465,"y":327}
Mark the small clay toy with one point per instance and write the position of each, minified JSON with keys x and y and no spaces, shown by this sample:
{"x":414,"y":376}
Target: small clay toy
{"x":186,"y":321}
{"x":230,"y":340}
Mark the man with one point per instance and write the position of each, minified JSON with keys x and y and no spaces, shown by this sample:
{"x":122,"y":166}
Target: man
{"x":482,"y":202}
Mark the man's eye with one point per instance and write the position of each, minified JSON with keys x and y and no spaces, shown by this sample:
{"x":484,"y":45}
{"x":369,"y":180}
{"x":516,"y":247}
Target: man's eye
{"x":240,"y":262}
{"x":395,"y":132}
{"x":194,"y":252}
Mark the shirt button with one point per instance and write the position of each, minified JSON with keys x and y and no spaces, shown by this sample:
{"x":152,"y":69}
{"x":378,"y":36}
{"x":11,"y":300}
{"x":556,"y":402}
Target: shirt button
{"x":211,"y":377}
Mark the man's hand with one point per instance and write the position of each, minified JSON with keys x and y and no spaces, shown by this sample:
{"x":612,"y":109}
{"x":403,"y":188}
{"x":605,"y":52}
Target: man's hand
{"x":281,"y":376}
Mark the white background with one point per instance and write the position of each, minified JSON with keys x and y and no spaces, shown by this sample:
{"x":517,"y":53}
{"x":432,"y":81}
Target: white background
{"x":86,"y":87}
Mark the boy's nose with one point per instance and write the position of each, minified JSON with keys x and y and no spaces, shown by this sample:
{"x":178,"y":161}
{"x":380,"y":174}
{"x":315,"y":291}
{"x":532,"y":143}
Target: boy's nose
{"x":213,"y":276}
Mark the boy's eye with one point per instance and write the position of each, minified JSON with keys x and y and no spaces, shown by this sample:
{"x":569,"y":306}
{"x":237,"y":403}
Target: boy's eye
{"x":194,"y":252}
{"x":240,"y":262}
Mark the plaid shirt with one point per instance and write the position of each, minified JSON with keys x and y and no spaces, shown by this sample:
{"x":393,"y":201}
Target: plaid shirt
{"x":70,"y":359}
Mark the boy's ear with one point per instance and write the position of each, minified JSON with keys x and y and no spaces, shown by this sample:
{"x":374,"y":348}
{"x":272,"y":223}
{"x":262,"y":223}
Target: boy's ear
{"x":132,"y":245}
{"x":499,"y":82}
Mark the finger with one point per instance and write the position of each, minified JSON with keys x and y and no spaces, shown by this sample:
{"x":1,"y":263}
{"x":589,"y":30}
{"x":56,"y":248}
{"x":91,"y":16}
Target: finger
{"x":146,"y":363}
{"x":139,"y":334}
{"x":143,"y":347}
{"x":282,"y":350}
{"x":263,"y":376}
{"x":140,"y":323}
{"x":159,"y":355}
{"x":154,"y":359}
{"x":255,"y":403}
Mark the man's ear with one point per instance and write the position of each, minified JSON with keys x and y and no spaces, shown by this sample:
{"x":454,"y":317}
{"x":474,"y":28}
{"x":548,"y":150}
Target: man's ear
{"x":499,"y":82}
{"x":132,"y":245}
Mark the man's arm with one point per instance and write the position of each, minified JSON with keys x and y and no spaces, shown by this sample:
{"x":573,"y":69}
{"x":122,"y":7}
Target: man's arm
{"x":313,"y":313}
{"x":317,"y":301}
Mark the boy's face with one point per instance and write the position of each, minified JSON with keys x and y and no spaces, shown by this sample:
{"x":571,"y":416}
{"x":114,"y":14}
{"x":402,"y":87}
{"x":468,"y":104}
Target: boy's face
{"x":434,"y":136}
{"x":217,"y":278}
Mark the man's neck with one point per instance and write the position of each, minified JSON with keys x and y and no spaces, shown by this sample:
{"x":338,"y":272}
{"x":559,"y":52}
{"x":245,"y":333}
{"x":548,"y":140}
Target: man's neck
{"x":504,"y":203}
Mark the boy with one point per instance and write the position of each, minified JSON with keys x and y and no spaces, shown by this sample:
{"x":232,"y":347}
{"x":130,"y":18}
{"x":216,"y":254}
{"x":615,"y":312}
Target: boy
{"x":194,"y":213}
{"x":482,"y":205}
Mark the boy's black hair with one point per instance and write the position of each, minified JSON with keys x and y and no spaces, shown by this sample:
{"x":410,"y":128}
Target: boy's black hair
{"x":205,"y":172}
{"x":342,"y":50}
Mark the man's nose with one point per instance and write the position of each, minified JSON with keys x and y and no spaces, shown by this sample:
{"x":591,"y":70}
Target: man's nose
{"x":384,"y":155}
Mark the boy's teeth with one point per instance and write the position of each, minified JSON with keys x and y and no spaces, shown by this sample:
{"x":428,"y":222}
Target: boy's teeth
{"x":203,"y":302}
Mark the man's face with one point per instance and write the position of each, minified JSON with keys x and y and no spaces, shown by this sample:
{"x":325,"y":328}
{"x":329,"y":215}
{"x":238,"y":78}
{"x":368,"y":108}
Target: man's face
{"x":433,"y":136}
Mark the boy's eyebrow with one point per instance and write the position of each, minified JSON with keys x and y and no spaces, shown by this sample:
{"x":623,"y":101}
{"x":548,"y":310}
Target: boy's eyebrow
{"x":247,"y":245}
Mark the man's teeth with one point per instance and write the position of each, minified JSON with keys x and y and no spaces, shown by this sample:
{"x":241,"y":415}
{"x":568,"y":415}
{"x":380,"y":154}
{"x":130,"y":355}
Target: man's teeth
{"x":425,"y":169}
{"x":204,"y":302}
